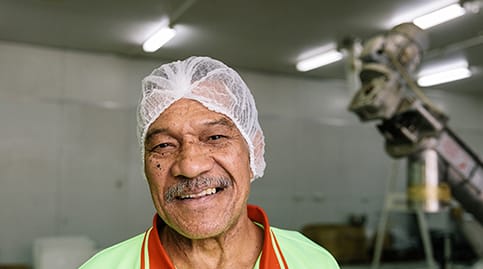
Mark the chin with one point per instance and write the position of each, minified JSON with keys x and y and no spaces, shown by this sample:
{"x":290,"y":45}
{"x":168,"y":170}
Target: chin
{"x":197,"y":233}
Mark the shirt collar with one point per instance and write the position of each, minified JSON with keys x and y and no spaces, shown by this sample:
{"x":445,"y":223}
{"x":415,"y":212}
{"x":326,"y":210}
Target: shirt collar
{"x":153,"y":254}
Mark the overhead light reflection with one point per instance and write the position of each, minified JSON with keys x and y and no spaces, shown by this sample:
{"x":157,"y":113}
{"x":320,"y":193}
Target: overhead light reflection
{"x":158,"y":39}
{"x":439,"y":16}
{"x":444,"y":74}
{"x":319,"y":60}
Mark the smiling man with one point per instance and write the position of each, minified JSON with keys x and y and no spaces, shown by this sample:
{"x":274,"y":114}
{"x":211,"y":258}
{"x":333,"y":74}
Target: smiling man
{"x":202,"y":146}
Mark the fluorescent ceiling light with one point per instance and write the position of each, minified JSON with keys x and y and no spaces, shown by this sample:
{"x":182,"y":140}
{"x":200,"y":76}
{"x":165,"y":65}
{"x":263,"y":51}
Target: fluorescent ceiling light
{"x":444,"y":76}
{"x":439,"y":16}
{"x":319,"y":60}
{"x":159,"y":38}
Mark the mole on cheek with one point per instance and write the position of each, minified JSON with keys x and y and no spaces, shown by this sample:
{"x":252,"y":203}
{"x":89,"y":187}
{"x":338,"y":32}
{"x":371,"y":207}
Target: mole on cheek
{"x":158,"y":165}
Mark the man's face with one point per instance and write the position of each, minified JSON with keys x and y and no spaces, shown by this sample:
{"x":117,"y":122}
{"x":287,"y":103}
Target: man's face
{"x":197,"y":166}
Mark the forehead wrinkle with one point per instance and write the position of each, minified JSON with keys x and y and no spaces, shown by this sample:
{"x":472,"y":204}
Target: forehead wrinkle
{"x":221,"y":121}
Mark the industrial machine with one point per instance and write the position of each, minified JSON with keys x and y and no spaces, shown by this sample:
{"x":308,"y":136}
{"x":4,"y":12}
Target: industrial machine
{"x":440,"y":166}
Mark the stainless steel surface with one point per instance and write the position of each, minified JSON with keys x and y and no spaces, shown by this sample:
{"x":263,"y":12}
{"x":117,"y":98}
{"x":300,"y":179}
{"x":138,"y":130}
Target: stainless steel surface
{"x":425,"y":186}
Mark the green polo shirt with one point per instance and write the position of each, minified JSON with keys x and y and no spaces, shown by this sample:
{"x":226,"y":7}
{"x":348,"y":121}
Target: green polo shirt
{"x":284,"y":249}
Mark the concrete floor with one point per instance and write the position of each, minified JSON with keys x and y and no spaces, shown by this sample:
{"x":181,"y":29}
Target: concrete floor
{"x":412,"y":265}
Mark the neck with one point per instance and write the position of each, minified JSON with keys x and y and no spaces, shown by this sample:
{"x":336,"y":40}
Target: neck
{"x":238,"y":247}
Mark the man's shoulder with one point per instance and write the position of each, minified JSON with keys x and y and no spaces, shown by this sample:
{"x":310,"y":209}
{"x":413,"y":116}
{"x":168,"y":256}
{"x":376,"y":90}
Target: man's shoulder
{"x":298,"y":250}
{"x":122,"y":255}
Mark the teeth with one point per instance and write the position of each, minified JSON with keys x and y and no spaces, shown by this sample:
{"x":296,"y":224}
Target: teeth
{"x":200,"y":194}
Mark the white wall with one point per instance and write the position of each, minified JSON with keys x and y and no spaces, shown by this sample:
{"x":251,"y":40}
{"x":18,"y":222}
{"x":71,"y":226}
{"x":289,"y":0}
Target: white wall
{"x":68,"y":148}
{"x":69,"y":160}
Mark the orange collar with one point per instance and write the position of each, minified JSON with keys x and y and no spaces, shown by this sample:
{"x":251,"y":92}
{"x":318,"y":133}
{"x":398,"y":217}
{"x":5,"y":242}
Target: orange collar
{"x":153,"y":251}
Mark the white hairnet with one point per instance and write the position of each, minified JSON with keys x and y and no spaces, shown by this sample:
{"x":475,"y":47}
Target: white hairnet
{"x":213,"y":84}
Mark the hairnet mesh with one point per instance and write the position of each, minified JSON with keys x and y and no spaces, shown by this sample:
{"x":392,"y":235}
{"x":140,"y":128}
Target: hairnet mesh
{"x":213,"y":84}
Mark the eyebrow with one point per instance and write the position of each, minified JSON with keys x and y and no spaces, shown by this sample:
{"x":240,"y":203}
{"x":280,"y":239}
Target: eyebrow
{"x":154,"y":132}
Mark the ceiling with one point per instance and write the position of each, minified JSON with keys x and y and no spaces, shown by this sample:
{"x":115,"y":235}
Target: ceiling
{"x":259,"y":35}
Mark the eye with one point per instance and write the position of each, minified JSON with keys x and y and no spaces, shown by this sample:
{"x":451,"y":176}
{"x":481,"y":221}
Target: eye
{"x":216,"y":137}
{"x":161,"y":147}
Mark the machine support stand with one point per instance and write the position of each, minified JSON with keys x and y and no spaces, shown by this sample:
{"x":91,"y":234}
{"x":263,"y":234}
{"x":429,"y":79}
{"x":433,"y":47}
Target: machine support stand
{"x":397,"y":202}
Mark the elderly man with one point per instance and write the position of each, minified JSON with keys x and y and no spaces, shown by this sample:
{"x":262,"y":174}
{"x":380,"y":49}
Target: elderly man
{"x":202,"y":146}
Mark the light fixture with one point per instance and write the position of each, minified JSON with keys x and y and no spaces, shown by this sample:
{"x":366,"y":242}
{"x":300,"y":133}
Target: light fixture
{"x":444,"y":76}
{"x":319,"y":60}
{"x":158,"y":39}
{"x":439,"y":16}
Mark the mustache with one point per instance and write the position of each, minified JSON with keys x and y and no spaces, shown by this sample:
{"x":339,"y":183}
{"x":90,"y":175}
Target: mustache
{"x":189,"y":185}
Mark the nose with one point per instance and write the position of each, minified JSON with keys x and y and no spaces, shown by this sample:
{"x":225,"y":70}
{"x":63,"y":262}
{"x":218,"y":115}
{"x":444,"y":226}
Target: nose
{"x":193,"y":160}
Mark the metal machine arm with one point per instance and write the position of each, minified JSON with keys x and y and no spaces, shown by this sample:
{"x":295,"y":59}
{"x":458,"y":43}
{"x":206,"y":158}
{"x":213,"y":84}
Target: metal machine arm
{"x":440,"y":165}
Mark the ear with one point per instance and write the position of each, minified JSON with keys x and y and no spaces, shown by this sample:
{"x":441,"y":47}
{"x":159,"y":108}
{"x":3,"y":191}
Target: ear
{"x":258,"y":152}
